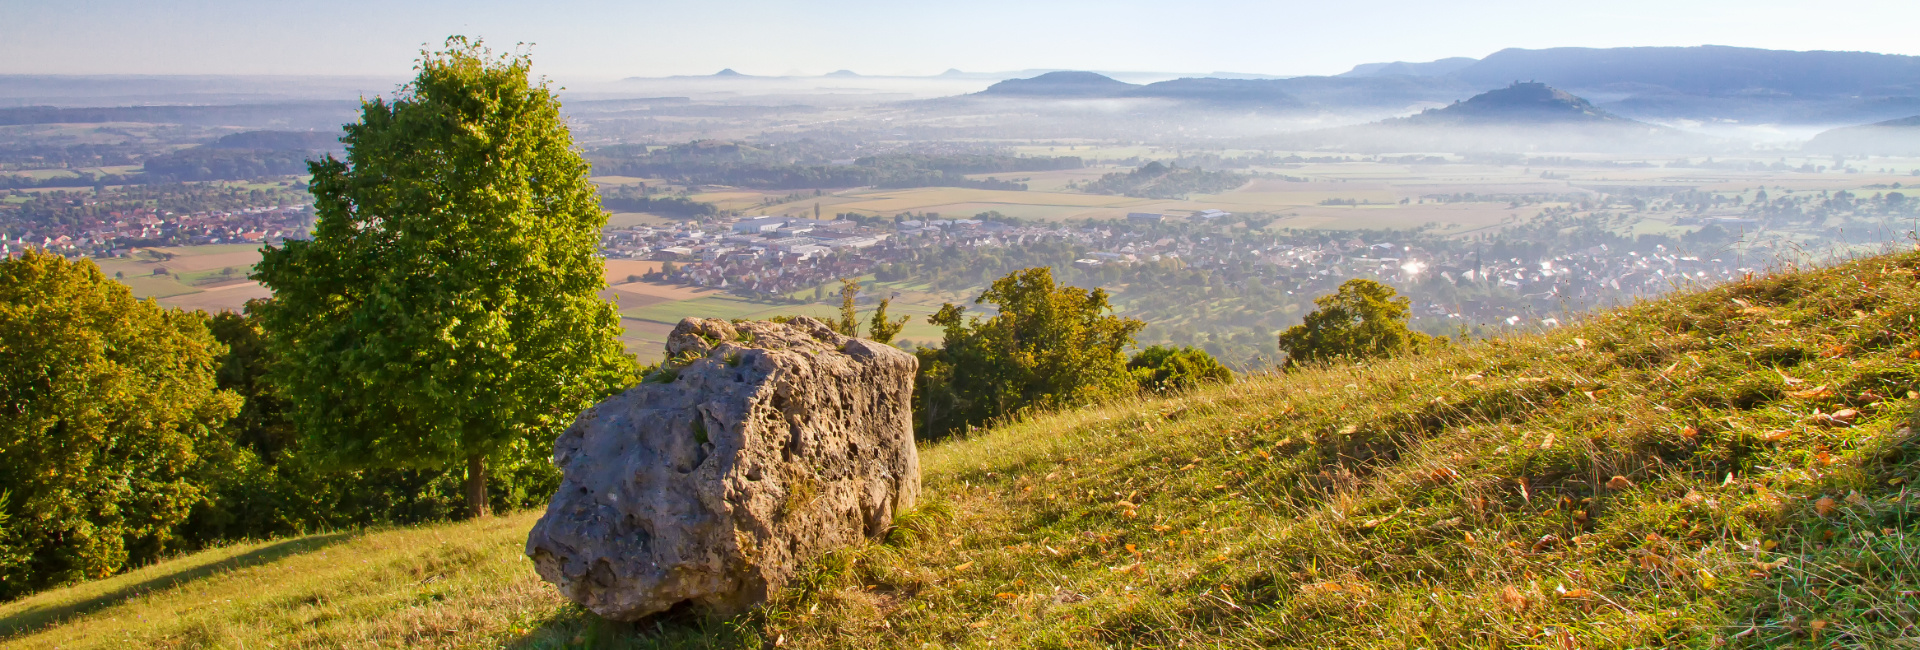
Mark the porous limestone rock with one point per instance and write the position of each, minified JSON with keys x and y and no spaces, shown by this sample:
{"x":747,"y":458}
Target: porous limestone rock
{"x":772,"y":444}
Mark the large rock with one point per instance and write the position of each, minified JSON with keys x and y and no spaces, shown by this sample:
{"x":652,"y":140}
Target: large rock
{"x":774,"y":444}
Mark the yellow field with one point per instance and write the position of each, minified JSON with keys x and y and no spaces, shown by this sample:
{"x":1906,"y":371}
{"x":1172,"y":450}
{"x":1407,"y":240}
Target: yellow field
{"x":631,"y":219}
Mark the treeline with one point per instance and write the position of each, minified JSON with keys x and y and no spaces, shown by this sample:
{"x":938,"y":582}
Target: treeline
{"x":49,"y":156}
{"x":1160,"y":181}
{"x":741,"y":165}
{"x":221,"y":164}
{"x":627,"y":198}
{"x":135,"y":431}
{"x":79,"y":178}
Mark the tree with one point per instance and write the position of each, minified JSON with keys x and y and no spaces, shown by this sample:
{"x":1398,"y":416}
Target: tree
{"x":445,"y":310}
{"x":1171,"y":369}
{"x":882,"y":329}
{"x":1049,"y":346}
{"x":849,"y":321}
{"x":109,"y":419}
{"x":1364,"y":319}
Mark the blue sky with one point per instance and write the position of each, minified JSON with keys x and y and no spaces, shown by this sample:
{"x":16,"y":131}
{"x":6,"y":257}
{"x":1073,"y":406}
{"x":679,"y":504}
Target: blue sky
{"x":595,"y":39}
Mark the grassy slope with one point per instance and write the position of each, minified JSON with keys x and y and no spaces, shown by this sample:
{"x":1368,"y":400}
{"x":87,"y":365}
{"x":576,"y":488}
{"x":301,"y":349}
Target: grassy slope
{"x":1465,"y":497}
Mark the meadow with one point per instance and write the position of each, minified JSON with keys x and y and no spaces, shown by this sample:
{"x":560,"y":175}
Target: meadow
{"x":1728,"y":468}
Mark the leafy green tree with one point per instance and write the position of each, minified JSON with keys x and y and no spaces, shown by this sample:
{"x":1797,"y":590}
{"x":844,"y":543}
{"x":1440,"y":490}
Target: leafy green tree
{"x":849,"y":321}
{"x":883,"y":328}
{"x":445,"y":310}
{"x":109,"y":420}
{"x":1171,"y":369}
{"x":1049,"y":346}
{"x":1364,"y":319}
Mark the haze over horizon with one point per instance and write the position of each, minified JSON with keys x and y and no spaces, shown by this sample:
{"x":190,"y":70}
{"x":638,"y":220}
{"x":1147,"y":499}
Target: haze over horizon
{"x":589,"y":41}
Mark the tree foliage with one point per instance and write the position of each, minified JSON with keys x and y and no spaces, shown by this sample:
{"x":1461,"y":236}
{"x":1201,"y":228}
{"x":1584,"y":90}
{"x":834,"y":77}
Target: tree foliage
{"x":445,"y":309}
{"x":109,"y":417}
{"x":1049,"y":346}
{"x":278,"y":484}
{"x":1167,"y":369}
{"x":1364,"y":319}
{"x":882,"y":328}
{"x":849,"y":321}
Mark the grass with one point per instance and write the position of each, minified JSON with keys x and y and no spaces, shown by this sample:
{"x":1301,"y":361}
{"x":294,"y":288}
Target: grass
{"x":1728,"y":468}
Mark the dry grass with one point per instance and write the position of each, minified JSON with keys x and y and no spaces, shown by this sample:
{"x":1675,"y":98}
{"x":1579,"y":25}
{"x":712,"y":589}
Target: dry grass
{"x":457,"y":585}
{"x":1680,"y":473}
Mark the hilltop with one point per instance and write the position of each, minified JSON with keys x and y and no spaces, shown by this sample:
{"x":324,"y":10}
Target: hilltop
{"x":1726,"y":467}
{"x":1520,"y":103}
{"x":1899,"y":137}
{"x":1065,"y":83}
{"x":1524,"y":116}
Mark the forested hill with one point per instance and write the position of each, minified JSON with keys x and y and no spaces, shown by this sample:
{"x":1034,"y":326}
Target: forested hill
{"x":1899,"y":137}
{"x":1520,"y":103}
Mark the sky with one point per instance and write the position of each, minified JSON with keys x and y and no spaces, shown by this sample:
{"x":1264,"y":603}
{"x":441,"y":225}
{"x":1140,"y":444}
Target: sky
{"x":599,"y":40}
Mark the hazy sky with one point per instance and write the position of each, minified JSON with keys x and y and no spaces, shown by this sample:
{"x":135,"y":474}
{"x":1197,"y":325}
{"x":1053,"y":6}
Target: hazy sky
{"x":590,"y":39}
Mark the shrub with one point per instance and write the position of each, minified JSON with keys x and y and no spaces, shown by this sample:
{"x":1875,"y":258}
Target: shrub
{"x":1364,"y":319}
{"x":1049,"y":346}
{"x":1171,"y":369}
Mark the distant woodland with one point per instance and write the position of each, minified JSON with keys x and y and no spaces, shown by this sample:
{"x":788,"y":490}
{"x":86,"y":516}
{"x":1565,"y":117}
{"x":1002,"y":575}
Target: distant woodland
{"x":1160,"y":181}
{"x":808,"y":166}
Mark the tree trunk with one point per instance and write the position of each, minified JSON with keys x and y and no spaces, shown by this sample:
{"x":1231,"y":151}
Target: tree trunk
{"x":476,"y":487}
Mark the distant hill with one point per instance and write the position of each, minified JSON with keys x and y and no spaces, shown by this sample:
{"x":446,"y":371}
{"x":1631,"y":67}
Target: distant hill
{"x":1066,"y":83}
{"x":1899,"y":137}
{"x":1263,"y":93}
{"x":1704,"y":83}
{"x":1704,"y":70}
{"x":1520,"y":103}
{"x":1520,"y":118}
{"x":1410,"y":69}
{"x":1266,"y":93}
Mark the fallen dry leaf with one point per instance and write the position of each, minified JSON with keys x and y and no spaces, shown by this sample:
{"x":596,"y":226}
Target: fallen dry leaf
{"x":1826,"y":506}
{"x":1812,"y":393}
{"x":1512,"y":598}
{"x":964,"y":566}
{"x":1580,"y":593}
{"x":1619,"y":483}
{"x":1545,"y":542}
{"x":1777,"y":436}
{"x":1006,"y":595}
{"x":1444,"y":475}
